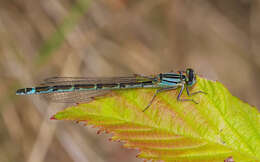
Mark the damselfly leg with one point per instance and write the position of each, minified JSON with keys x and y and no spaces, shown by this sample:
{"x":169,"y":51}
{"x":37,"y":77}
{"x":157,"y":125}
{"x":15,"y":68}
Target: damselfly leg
{"x":188,"y":93}
{"x":183,"y":86}
{"x":184,"y":99}
{"x":155,"y":94}
{"x":194,"y":93}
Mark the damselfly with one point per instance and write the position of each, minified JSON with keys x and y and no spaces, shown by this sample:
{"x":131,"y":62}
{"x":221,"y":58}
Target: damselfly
{"x":83,"y":89}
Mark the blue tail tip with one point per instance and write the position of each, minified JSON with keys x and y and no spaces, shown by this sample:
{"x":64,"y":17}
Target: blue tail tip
{"x":25,"y":91}
{"x":21,"y":91}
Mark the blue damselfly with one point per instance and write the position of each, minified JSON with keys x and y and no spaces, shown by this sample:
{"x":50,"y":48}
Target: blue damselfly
{"x":83,"y":89}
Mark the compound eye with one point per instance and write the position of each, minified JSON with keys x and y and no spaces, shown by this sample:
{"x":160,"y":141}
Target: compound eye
{"x":191,"y":75}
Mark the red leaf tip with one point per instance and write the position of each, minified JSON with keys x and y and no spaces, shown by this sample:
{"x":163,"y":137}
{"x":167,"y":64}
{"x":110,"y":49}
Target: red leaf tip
{"x":53,"y":118}
{"x":99,"y":131}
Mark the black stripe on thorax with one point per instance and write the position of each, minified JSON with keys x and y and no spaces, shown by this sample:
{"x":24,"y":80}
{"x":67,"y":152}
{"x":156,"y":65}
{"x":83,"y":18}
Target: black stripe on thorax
{"x":175,"y":76}
{"x":169,"y":81}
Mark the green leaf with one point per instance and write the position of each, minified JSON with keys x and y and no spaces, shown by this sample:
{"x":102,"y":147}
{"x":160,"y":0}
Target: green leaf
{"x":220,"y":126}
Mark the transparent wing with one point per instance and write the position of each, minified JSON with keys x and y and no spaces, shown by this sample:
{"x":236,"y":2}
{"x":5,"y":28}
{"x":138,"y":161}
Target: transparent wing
{"x":86,"y":96}
{"x":94,"y":80}
{"x":74,"y":96}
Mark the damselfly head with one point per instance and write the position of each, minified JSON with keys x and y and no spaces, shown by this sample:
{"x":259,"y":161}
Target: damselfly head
{"x":190,"y":77}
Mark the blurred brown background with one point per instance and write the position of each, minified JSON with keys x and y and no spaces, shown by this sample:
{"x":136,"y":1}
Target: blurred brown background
{"x":39,"y":39}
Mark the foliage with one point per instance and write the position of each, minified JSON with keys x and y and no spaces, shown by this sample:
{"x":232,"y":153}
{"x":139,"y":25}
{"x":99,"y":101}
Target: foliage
{"x":218,"y":127}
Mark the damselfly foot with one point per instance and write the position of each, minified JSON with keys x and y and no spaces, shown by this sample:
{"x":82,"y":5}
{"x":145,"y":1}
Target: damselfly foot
{"x":183,"y":100}
{"x":189,"y":94}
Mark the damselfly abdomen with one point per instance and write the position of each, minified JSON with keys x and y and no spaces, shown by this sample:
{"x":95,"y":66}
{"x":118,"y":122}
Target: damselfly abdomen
{"x":83,"y":89}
